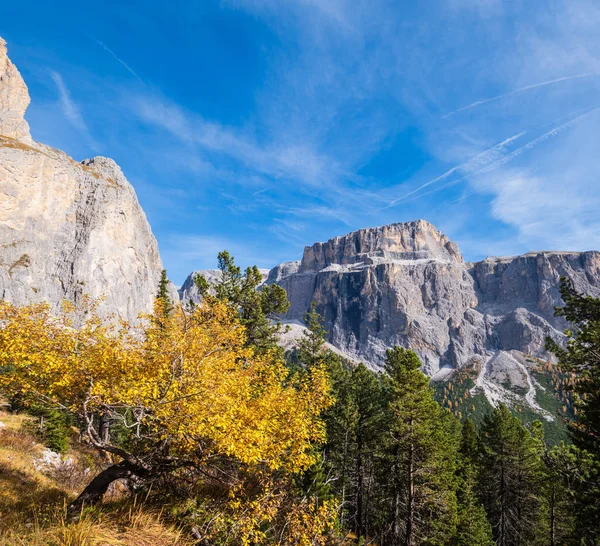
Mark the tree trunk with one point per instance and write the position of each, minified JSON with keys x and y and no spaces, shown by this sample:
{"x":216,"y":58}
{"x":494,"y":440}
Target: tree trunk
{"x":410,"y":509}
{"x":95,"y":490}
{"x":553,"y":517}
{"x":360,"y":483}
{"x":104,"y":428}
{"x":397,"y":485}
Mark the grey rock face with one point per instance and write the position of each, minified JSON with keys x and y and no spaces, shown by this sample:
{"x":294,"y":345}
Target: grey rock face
{"x":407,"y":284}
{"x":189,"y":291}
{"x":67,"y":228}
{"x":283,"y":270}
{"x":410,"y":241}
{"x":14,"y":100}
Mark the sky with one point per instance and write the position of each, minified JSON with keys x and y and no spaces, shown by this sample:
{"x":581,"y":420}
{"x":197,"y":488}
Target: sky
{"x":263,"y":126}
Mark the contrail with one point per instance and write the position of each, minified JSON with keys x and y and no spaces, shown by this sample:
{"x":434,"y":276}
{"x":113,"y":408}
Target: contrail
{"x":114,"y":55}
{"x":520,"y":90}
{"x":465,"y":170}
{"x":484,"y":157}
{"x":553,"y":132}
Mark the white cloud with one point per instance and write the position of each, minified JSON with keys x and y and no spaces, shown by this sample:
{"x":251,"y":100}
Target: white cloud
{"x":292,"y":161}
{"x":70,"y":109}
{"x":549,"y":214}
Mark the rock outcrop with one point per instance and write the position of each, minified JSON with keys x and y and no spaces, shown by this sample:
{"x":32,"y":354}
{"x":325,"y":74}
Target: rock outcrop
{"x":407,"y":284}
{"x":189,"y":291}
{"x":67,"y":228}
{"x":14,"y":100}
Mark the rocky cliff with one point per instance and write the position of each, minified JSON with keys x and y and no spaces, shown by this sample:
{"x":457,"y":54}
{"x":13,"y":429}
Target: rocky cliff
{"x":407,"y":284}
{"x":67,"y":228}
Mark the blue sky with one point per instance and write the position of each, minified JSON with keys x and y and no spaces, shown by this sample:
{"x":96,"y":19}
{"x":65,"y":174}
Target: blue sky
{"x":262,"y":126}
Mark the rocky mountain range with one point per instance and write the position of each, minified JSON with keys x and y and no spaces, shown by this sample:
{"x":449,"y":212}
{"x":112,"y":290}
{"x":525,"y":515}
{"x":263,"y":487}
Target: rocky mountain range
{"x":67,"y":228}
{"x":407,"y":284}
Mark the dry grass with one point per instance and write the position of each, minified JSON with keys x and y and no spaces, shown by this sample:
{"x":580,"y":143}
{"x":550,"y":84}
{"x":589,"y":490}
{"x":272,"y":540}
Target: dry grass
{"x":143,"y":527}
{"x":8,"y":142}
{"x":33,"y":504}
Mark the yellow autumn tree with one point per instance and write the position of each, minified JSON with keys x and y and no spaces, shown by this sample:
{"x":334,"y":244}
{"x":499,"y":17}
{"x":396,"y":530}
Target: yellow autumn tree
{"x":183,"y":388}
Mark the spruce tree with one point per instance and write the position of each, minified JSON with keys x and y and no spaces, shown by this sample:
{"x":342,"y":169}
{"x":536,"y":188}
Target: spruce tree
{"x":473,"y":528}
{"x":581,"y":357}
{"x":311,"y":346}
{"x":421,"y":449}
{"x":162,"y":294}
{"x":367,"y":399}
{"x":257,"y":304}
{"x":511,"y":479}
{"x":560,"y":468}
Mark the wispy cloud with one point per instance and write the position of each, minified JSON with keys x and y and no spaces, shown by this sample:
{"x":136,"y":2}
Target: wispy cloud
{"x":192,"y":251}
{"x":70,"y":109}
{"x":535,"y":142}
{"x":293,"y":161}
{"x":466,"y":168}
{"x":118,"y":59}
{"x":320,"y":211}
{"x":517,"y":91}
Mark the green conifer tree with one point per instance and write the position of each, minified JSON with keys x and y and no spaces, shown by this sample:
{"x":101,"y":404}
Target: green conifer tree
{"x":311,"y":346}
{"x":560,"y":469}
{"x":163,"y":293}
{"x":473,"y":528}
{"x":367,"y":400}
{"x":511,"y":479}
{"x":421,"y":450}
{"x":257,"y":304}
{"x":581,"y":357}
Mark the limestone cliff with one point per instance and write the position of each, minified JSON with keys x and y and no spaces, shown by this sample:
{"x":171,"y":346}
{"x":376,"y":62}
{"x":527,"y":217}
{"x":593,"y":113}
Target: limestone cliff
{"x":67,"y":228}
{"x":407,"y":284}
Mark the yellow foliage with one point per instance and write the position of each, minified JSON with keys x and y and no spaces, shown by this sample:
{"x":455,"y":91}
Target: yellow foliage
{"x":185,"y":379}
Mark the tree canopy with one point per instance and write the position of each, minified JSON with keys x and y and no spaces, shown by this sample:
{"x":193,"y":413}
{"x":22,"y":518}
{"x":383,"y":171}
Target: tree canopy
{"x":188,"y":389}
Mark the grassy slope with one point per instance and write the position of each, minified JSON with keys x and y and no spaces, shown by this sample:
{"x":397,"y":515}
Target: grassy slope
{"x":32,"y":501}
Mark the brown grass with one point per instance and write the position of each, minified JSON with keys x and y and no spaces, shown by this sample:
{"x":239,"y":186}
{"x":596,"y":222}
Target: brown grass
{"x":33,"y":504}
{"x":8,"y":142}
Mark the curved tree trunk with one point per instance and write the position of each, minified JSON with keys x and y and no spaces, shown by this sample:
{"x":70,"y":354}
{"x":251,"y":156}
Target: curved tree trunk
{"x":95,"y":490}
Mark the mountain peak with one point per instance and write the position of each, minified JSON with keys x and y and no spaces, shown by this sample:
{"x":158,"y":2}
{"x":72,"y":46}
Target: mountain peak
{"x":416,"y":240}
{"x":14,"y":99}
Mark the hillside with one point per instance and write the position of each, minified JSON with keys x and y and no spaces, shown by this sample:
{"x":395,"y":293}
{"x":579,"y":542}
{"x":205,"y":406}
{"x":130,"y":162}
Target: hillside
{"x":36,"y":483}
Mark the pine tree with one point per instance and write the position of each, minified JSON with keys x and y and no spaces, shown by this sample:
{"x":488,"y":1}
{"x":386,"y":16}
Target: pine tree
{"x":511,"y":478}
{"x":581,"y":357}
{"x":311,"y":346}
{"x":257,"y":304}
{"x":340,"y":420}
{"x":470,"y":444}
{"x":421,"y":449}
{"x":163,"y":293}
{"x":473,"y":528}
{"x":560,"y":467}
{"x":367,"y":399}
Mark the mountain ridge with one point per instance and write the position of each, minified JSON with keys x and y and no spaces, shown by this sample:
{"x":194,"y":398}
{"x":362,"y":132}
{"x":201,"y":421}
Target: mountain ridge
{"x":407,"y":284}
